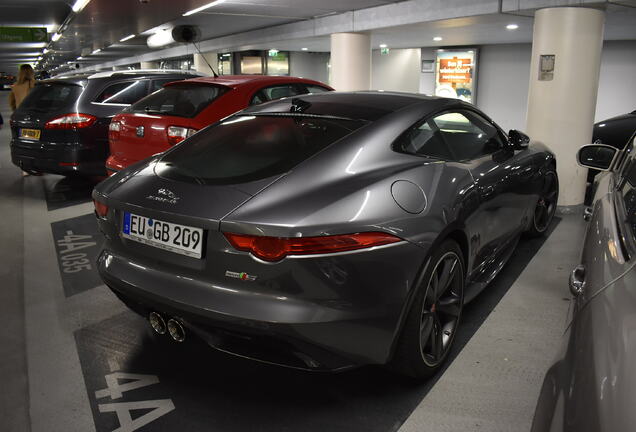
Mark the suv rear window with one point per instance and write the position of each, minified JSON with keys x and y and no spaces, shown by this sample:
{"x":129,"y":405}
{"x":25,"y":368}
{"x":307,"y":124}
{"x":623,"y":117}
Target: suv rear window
{"x":47,"y":97}
{"x":247,"y":148}
{"x":180,"y":100}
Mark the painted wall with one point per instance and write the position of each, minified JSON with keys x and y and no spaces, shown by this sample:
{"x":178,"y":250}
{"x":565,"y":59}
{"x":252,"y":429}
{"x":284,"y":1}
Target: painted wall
{"x":312,"y":65}
{"x":399,"y":70}
{"x":504,"y":75}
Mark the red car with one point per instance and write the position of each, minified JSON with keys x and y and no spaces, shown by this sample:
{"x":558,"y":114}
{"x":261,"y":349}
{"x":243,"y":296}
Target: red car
{"x":179,"y":109}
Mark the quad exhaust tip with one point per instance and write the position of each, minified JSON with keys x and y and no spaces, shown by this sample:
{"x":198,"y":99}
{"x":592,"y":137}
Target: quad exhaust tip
{"x":157,"y":323}
{"x":176,"y":330}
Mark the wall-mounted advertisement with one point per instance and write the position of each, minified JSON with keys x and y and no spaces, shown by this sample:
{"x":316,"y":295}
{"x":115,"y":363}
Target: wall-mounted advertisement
{"x":455,"y":74}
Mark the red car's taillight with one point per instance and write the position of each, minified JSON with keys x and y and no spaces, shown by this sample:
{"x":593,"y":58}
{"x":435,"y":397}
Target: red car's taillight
{"x":71,"y":121}
{"x":176,"y":134}
{"x":277,"y":248}
{"x":100,"y":208}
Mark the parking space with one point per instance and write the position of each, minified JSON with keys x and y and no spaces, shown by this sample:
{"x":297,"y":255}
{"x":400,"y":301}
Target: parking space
{"x":94,"y":365}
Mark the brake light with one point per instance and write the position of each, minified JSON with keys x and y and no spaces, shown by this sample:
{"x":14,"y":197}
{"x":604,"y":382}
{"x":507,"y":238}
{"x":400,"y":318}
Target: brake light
{"x":176,"y":134}
{"x":101,"y":209}
{"x":277,"y":248}
{"x":71,"y":121}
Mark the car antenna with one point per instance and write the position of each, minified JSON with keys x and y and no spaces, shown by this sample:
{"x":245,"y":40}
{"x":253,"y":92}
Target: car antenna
{"x":299,"y":105}
{"x":216,"y":75}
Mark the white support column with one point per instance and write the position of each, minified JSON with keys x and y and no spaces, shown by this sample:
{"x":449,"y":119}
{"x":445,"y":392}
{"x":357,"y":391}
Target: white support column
{"x":350,"y":61}
{"x":201,"y":66}
{"x":561,"y":108}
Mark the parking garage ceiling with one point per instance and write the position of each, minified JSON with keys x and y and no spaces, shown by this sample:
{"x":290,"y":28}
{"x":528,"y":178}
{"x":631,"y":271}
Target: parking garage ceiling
{"x":93,"y":35}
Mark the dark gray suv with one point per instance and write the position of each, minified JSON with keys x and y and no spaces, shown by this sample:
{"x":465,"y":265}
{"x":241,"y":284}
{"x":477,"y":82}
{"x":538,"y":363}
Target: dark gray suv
{"x":592,"y":384}
{"x":61,"y":127}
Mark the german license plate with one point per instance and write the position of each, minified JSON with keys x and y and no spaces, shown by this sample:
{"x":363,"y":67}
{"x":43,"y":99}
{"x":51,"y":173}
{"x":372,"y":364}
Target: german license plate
{"x":181,"y":239}
{"x":32,"y":134}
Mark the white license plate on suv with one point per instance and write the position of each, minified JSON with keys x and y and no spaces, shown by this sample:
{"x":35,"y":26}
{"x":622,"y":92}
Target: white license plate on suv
{"x":181,"y":239}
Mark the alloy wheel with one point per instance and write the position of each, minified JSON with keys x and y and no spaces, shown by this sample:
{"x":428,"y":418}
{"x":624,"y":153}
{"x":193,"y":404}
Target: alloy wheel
{"x":441,"y":309}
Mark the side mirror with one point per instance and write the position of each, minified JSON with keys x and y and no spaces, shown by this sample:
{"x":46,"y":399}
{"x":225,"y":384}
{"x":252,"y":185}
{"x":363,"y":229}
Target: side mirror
{"x":518,"y":140}
{"x":597,"y":156}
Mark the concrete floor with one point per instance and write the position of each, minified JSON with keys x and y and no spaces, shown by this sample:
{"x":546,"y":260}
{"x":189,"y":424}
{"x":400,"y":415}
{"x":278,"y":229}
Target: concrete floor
{"x":62,"y":337}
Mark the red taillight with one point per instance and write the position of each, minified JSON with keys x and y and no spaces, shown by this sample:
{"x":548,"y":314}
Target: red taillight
{"x":100,"y":208}
{"x":277,"y":248}
{"x":71,"y":121}
{"x":176,"y":134}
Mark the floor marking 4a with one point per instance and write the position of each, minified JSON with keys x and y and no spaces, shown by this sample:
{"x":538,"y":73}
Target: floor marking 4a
{"x":115,"y":390}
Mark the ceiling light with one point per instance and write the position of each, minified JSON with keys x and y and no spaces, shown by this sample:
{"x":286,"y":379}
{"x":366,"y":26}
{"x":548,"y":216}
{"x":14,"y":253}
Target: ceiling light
{"x":161,"y":38}
{"x":129,"y":37}
{"x":382,"y":45}
{"x":512,"y":26}
{"x":204,"y":7}
{"x":304,"y":49}
{"x":96,"y":51}
{"x":56,"y":37}
{"x":79,"y":5}
{"x":437,"y":38}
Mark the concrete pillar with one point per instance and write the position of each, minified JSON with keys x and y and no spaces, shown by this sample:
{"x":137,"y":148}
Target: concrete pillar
{"x":350,"y":61}
{"x":201,"y":66}
{"x":561,"y":107}
{"x":149,"y":65}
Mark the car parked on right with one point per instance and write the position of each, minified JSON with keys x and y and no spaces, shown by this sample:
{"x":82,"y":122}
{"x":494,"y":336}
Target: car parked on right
{"x":592,"y":384}
{"x":614,"y":132}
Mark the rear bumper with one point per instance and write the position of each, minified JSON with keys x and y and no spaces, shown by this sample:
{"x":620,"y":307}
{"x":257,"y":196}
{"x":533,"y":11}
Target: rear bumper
{"x":321,"y":333}
{"x":61,"y":158}
{"x":115,"y":164}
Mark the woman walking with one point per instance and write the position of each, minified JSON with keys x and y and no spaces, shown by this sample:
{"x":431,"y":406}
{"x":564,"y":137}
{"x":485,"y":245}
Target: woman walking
{"x":24,"y":84}
{"x":22,"y":87}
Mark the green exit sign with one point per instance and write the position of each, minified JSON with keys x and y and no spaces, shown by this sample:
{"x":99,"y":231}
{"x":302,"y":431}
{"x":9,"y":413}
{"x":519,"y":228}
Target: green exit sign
{"x":23,"y":34}
{"x":384,"y":51}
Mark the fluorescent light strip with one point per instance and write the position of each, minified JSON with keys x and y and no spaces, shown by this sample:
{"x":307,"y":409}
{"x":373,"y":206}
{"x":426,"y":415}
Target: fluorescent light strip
{"x":204,"y":7}
{"x":129,"y":37}
{"x":79,"y":5}
{"x":56,"y":37}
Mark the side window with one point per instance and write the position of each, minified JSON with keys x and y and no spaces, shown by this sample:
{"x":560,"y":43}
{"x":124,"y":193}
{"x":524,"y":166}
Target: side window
{"x":468,"y":135}
{"x":275,"y":92}
{"x":315,"y":88}
{"x":158,"y":83}
{"x":424,"y":139}
{"x":125,"y":93}
{"x":629,"y":195}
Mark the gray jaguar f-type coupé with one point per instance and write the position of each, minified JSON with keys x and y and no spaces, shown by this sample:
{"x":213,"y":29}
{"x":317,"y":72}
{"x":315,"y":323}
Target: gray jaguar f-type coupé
{"x":325,"y":231}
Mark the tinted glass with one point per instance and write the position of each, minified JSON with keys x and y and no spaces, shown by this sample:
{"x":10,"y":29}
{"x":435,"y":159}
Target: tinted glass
{"x":468,"y":135}
{"x":249,"y":148}
{"x":315,"y":89}
{"x":180,"y":100}
{"x":424,"y":140}
{"x":51,"y":97}
{"x":159,"y":83}
{"x":276,"y":92}
{"x":125,"y":93}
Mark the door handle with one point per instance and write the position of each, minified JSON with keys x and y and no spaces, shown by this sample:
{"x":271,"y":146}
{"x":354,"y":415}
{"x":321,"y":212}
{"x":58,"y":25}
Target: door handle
{"x":577,"y":280}
{"x":587,"y":214}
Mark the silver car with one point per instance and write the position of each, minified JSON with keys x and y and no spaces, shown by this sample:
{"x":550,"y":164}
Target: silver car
{"x":592,"y":384}
{"x":325,"y":231}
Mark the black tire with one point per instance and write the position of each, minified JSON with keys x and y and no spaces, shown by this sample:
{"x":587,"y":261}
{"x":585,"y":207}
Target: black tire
{"x":416,"y":355}
{"x":546,"y":205}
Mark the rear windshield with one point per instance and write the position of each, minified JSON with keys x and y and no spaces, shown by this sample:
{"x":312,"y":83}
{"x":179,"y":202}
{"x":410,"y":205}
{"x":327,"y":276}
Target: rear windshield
{"x":180,"y":100}
{"x":249,"y":148}
{"x":51,"y":97}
